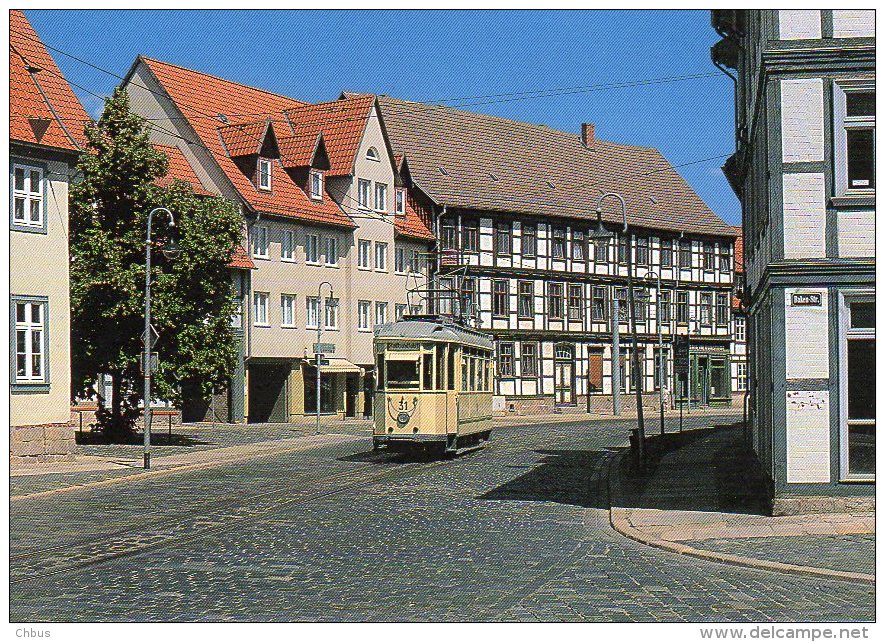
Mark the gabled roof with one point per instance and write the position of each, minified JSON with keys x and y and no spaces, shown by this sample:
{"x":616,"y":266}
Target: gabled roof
{"x":342,"y":123}
{"x":412,"y":225}
{"x":245,"y":139}
{"x":303,"y":151}
{"x":210,"y":104}
{"x":42,"y":106}
{"x":241,"y":259}
{"x":180,"y":169}
{"x":474,"y":161}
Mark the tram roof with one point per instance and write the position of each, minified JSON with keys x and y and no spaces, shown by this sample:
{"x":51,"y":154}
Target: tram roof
{"x":435,"y":329}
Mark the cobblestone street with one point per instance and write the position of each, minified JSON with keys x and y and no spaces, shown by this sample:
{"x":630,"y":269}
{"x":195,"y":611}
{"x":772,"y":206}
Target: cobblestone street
{"x":516,"y":531}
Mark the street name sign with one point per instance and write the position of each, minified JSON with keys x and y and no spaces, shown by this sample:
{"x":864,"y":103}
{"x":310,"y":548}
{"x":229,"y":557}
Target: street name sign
{"x":807,"y":298}
{"x":324,"y":348}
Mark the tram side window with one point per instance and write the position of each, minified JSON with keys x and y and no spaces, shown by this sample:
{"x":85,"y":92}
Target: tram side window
{"x":428,"y":371}
{"x":380,"y":373}
{"x":464,"y":374}
{"x":440,"y":367}
{"x":402,"y":374}
{"x":451,"y":367}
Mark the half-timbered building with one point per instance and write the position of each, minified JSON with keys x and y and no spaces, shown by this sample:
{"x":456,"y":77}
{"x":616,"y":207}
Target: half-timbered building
{"x":513,"y":205}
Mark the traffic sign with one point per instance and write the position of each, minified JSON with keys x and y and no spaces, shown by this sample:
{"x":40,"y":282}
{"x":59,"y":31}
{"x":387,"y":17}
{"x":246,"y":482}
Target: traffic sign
{"x":154,"y":336}
{"x":153,"y":362}
{"x":324,"y":348}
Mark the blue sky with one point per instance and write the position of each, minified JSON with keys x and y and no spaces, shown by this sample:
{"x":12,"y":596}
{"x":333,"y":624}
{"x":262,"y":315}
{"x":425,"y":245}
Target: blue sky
{"x":431,"y":56}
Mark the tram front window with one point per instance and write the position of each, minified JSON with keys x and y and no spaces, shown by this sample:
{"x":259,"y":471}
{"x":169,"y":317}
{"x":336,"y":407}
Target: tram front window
{"x":402,"y":374}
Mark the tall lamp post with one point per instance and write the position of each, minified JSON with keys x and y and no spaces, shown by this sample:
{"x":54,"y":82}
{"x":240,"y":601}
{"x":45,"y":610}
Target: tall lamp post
{"x":321,"y":310}
{"x":601,"y":232}
{"x":170,"y":251}
{"x":661,"y":372}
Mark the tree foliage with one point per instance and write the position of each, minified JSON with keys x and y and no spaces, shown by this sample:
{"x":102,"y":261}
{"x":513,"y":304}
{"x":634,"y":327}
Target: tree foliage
{"x":192,"y":296}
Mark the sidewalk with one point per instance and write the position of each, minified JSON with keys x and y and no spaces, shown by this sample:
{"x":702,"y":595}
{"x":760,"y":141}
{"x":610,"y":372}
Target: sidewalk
{"x":701,"y":495}
{"x":192,"y":447}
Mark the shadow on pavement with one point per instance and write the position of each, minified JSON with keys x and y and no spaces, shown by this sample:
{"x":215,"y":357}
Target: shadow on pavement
{"x":135,"y":439}
{"x":709,"y":470}
{"x":563,"y":476}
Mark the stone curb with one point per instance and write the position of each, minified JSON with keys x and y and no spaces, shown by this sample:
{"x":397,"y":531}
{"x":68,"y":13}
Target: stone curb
{"x":619,"y":522}
{"x":184,"y":468}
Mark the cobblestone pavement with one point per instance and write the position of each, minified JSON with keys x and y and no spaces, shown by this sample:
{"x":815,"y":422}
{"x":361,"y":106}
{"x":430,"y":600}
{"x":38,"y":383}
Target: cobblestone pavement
{"x":195,"y":437}
{"x":837,"y":552}
{"x":516,"y":531}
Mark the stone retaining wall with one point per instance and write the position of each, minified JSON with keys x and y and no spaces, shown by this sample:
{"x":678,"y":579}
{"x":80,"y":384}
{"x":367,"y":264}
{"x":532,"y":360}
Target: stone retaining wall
{"x":48,"y":442}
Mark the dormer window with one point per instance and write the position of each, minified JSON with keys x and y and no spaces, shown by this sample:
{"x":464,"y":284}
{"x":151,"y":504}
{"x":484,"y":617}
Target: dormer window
{"x":316,"y":185}
{"x":264,"y":172}
{"x":372,"y":154}
{"x":400,"y":202}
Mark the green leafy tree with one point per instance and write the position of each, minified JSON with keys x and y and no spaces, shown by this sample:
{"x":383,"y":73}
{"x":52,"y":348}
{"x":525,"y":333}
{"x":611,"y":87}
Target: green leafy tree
{"x":192,"y":296}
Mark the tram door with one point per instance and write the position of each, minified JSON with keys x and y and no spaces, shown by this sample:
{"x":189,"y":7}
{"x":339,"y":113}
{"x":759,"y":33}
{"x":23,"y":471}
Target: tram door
{"x":564,"y":375}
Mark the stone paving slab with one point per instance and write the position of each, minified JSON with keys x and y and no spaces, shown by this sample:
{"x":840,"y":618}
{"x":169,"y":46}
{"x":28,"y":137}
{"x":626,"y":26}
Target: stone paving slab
{"x":675,"y":526}
{"x":837,"y":552}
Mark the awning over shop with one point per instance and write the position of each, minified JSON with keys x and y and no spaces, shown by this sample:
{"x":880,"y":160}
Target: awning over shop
{"x":337,"y":364}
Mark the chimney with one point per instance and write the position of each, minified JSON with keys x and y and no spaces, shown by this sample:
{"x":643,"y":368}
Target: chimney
{"x":588,"y":135}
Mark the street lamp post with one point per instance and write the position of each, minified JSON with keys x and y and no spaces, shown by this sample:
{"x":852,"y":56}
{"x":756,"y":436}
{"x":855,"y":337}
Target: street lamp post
{"x":321,"y":310}
{"x":601,"y":232}
{"x":170,"y":251}
{"x":661,"y":372}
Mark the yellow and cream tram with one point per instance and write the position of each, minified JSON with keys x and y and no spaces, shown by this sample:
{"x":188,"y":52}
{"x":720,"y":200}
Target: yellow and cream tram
{"x":434,"y":385}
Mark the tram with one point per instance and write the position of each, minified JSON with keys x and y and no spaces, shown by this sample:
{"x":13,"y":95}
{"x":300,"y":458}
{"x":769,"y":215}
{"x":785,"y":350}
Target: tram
{"x":433,"y":385}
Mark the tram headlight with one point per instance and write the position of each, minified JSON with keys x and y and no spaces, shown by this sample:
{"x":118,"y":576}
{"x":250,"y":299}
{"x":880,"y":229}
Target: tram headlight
{"x":402,"y":418}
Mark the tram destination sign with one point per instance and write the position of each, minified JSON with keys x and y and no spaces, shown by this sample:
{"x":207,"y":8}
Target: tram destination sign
{"x":806,"y":298}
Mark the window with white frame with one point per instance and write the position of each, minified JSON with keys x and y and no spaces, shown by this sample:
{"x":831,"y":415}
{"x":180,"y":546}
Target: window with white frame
{"x":259,"y":242}
{"x":372,"y":154}
{"x":331,"y":315}
{"x":399,"y":259}
{"x":415,"y":309}
{"x":363,"y":312}
{"x":417,"y":262}
{"x":260,"y":308}
{"x":380,"y":197}
{"x":400,"y":202}
{"x":858,"y":386}
{"x":30,"y":341}
{"x":380,"y":313}
{"x":331,"y":250}
{"x":312,"y":248}
{"x":287,"y":246}
{"x":264,"y":173}
{"x":316,"y":185}
{"x":740,"y":329}
{"x":854,"y":108}
{"x":313,"y":312}
{"x":364,"y":253}
{"x":287,"y":310}
{"x":380,"y":256}
{"x":741,"y":382}
{"x":399,"y":311}
{"x":27,"y":195}
{"x":364,"y":193}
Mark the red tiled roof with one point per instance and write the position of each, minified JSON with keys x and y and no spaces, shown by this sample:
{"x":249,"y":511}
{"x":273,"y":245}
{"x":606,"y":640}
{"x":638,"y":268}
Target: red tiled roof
{"x":204,"y":100}
{"x":738,"y":262}
{"x":739,"y":250}
{"x":31,"y":117}
{"x":341,"y":122}
{"x":180,"y":169}
{"x":241,"y":259}
{"x":412,"y":225}
{"x":245,"y":139}
{"x":297,"y":151}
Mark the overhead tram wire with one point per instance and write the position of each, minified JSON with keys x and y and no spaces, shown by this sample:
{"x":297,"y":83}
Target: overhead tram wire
{"x":407,"y":105}
{"x":451,"y":110}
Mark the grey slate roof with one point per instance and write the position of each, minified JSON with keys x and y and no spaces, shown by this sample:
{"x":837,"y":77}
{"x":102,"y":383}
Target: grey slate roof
{"x":431,"y":330}
{"x":475,"y":161}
